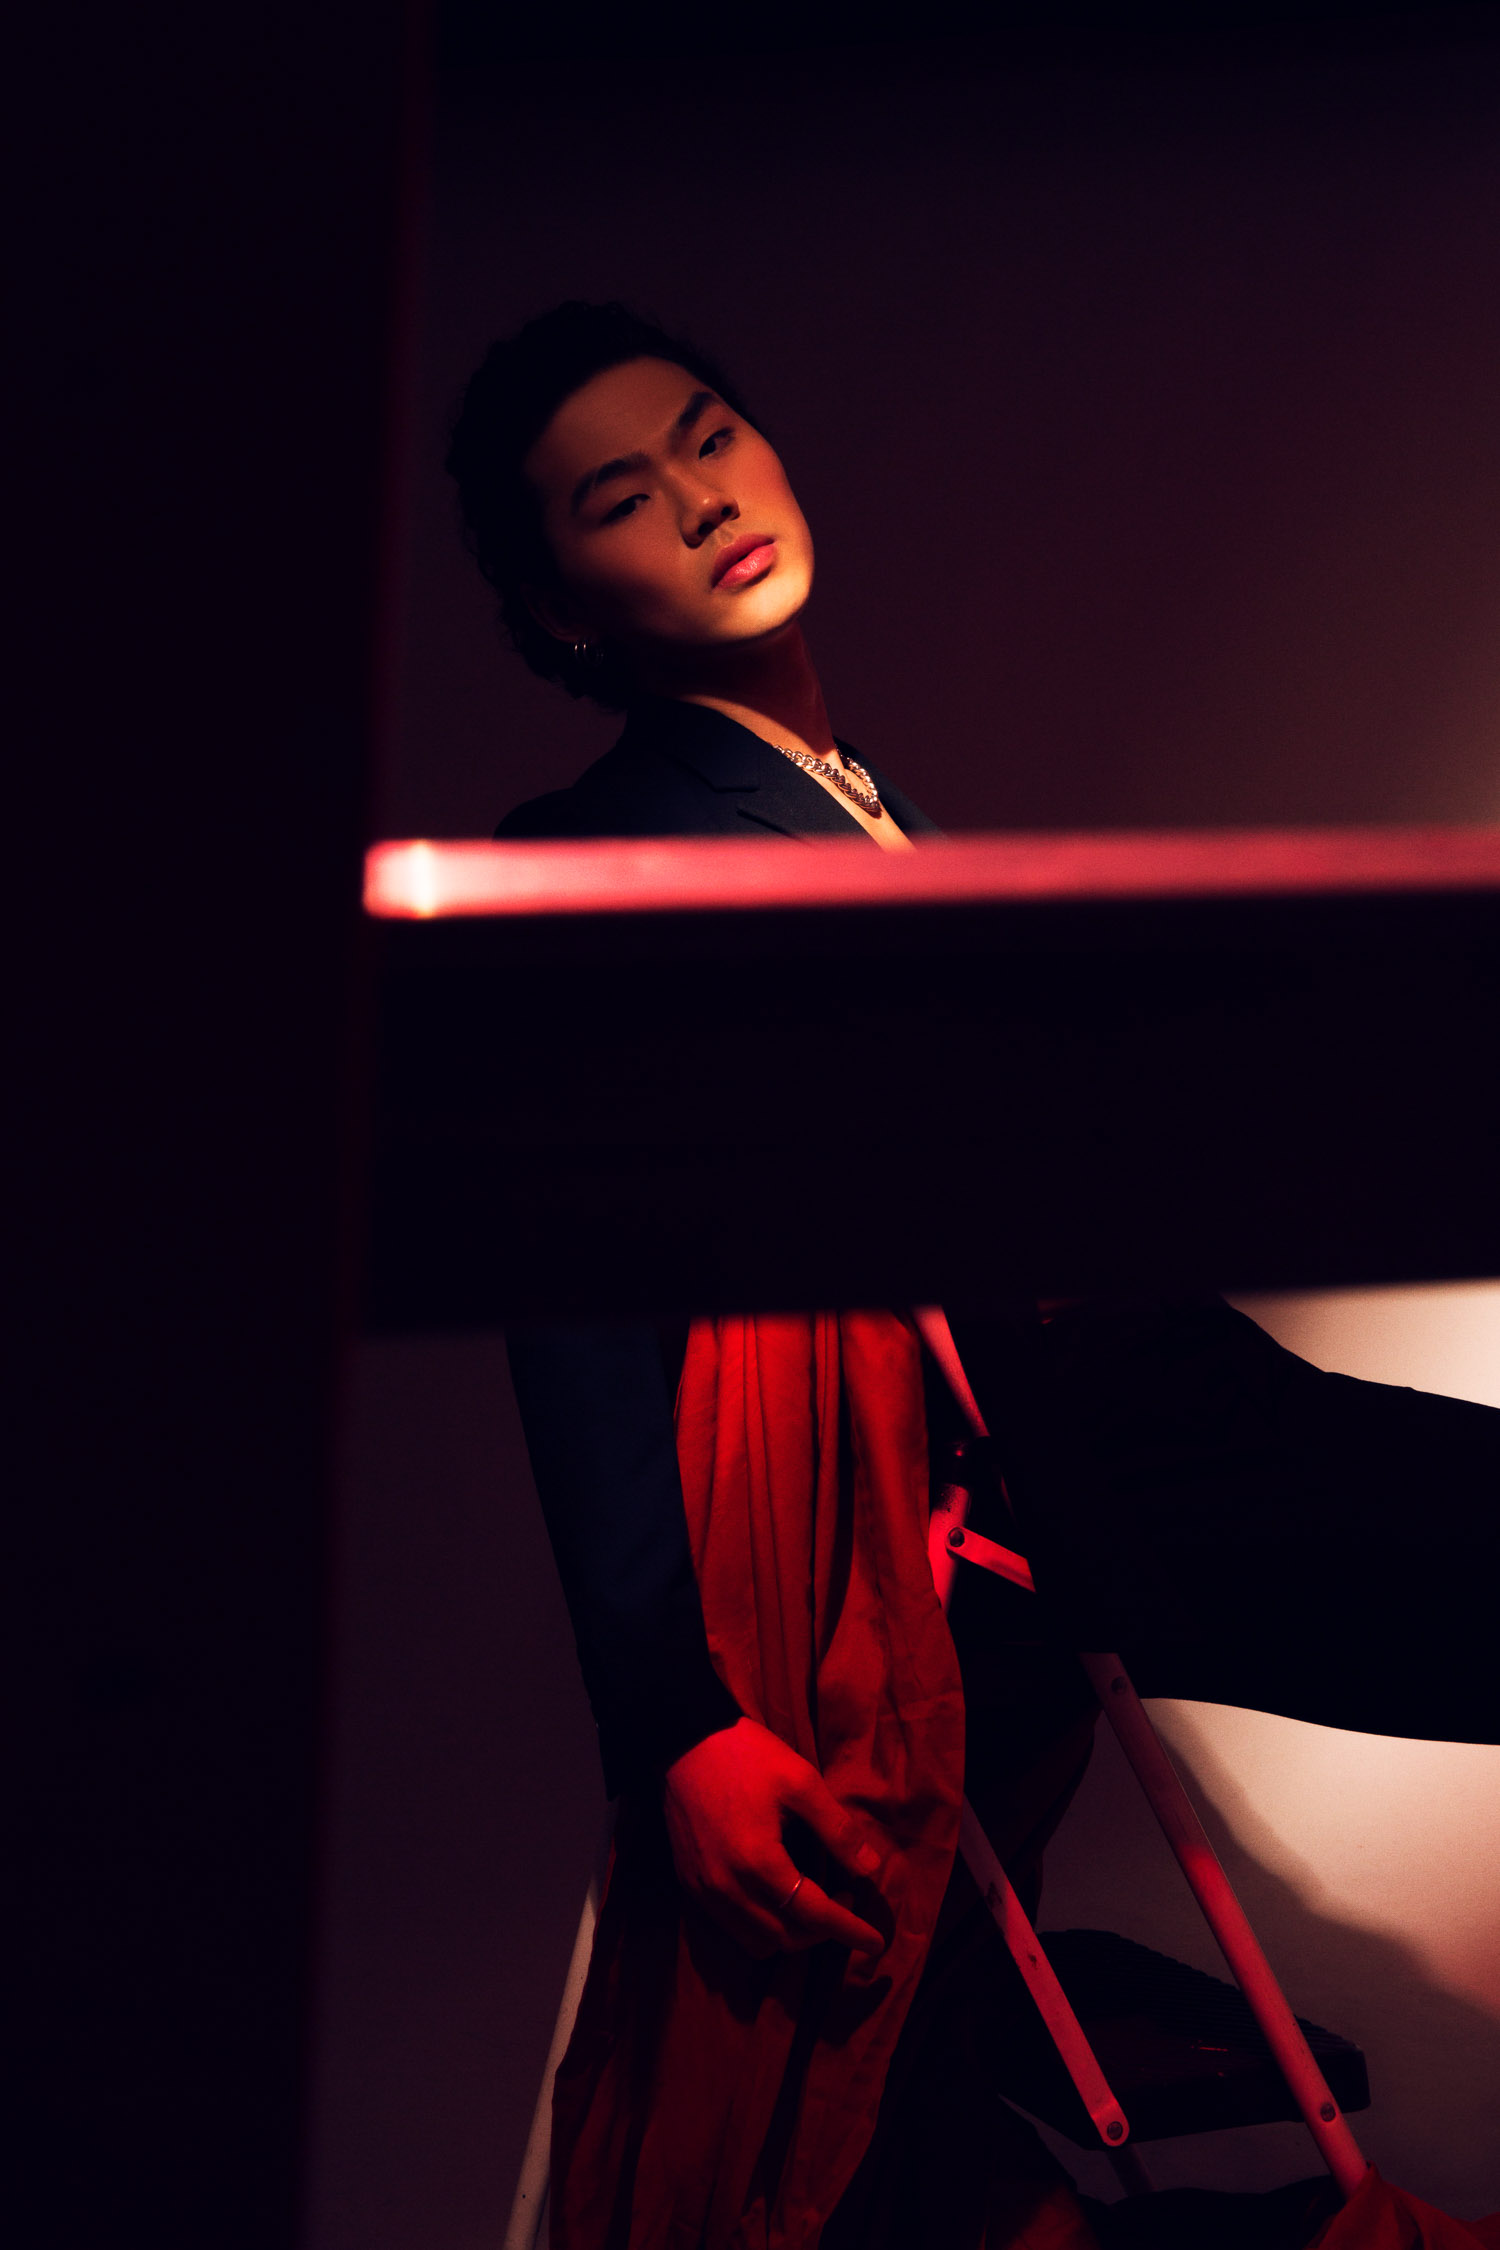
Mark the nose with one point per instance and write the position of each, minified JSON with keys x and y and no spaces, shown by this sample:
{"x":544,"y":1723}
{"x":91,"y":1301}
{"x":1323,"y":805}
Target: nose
{"x":703,"y":510}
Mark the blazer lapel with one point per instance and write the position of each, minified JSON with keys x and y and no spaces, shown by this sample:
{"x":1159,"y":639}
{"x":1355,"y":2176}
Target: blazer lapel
{"x":771,"y":791}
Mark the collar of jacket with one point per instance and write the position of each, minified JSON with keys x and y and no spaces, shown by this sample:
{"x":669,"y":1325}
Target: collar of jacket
{"x":731,"y":760}
{"x":718,"y":750}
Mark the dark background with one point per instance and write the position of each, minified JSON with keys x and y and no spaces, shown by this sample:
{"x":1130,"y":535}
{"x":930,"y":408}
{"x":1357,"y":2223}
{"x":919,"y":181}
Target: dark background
{"x":204,"y":210}
{"x":1138,"y":380}
{"x":1137,"y":377}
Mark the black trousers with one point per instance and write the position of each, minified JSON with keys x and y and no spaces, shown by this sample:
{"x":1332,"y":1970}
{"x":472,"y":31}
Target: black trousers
{"x":1246,"y":1529}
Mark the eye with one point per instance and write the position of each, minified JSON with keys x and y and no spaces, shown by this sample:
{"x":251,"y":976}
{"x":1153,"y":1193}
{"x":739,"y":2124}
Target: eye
{"x":622,"y":508}
{"x":714,"y":443}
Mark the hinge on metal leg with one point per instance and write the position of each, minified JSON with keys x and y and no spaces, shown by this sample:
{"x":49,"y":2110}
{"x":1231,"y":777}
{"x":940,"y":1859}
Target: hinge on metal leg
{"x":972,"y":1546}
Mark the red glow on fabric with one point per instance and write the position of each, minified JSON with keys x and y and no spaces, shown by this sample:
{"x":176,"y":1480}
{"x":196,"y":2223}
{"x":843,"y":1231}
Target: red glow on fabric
{"x":419,"y":880}
{"x":706,"y":2097}
{"x":1381,"y":2217}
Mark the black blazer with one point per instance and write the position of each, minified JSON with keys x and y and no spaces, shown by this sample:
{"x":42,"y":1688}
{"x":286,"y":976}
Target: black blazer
{"x":681,"y":770}
{"x":596,"y":1399}
{"x":1246,"y":1528}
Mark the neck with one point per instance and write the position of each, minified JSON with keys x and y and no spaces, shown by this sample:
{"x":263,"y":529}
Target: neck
{"x":768,"y":686}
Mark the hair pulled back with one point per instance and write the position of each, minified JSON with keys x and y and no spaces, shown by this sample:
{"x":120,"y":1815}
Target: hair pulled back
{"x":518,"y":387}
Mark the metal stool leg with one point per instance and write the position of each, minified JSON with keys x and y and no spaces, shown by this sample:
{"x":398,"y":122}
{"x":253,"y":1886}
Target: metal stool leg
{"x":1128,"y":2169}
{"x":528,"y":2211}
{"x":1227,"y":1919}
{"x":1167,"y":1798}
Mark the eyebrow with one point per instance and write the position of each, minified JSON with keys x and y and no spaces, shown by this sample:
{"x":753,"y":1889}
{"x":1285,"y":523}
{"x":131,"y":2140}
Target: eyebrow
{"x":626,"y":464}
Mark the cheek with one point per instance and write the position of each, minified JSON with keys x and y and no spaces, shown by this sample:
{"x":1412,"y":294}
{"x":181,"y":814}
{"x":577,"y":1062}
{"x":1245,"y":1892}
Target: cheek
{"x":641,"y":589}
{"x":772,"y":485}
{"x":617,"y":585}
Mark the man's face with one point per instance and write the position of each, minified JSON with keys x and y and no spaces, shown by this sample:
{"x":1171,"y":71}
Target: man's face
{"x":670,"y":518}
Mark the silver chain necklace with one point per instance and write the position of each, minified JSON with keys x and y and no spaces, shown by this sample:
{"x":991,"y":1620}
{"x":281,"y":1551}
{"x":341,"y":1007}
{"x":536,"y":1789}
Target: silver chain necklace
{"x":860,"y":791}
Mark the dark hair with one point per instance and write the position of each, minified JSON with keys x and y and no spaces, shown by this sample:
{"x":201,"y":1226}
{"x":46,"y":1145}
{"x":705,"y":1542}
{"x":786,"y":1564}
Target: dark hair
{"x":517,"y":389}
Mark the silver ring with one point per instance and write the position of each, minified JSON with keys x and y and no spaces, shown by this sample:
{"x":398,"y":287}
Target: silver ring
{"x":791,"y":1894}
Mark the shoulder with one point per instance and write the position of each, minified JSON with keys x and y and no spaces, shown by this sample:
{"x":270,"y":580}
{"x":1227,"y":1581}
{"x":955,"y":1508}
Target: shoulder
{"x":681,"y":769}
{"x":661,"y":778}
{"x":610,"y":798}
{"x":551,"y":815}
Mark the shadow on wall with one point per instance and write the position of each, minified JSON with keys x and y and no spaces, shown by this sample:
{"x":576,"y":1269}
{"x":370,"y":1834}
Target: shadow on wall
{"x":1434,"y":2056}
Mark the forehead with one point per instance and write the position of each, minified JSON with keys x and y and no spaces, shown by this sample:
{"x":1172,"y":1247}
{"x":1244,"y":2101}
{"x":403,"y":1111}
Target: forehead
{"x":627,"y":409}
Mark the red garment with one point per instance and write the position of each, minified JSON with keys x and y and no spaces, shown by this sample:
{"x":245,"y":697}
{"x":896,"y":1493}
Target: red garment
{"x":1381,"y":2217}
{"x":708,"y":2099}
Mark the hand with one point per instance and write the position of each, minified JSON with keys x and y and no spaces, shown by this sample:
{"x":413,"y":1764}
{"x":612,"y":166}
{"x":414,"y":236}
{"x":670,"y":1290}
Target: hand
{"x":726,"y":1800}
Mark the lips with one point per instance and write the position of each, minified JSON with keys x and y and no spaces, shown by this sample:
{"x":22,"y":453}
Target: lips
{"x":744,"y":560}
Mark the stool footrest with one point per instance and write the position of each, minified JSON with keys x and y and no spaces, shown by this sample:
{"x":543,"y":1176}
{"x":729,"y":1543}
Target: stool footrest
{"x":1180,"y":2048}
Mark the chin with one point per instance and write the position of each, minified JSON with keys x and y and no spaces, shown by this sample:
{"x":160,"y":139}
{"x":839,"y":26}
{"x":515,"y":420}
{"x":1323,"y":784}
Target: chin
{"x":777,"y":602}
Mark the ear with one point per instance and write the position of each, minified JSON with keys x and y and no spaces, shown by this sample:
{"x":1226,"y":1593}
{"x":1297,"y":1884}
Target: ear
{"x":553,"y":616}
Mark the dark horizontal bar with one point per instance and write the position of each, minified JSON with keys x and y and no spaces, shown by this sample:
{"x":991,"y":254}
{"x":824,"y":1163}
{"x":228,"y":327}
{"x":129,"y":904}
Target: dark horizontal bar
{"x":918,"y":1096}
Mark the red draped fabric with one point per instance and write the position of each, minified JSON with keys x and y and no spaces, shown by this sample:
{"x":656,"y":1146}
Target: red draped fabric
{"x":708,"y":2100}
{"x":1381,"y":2217}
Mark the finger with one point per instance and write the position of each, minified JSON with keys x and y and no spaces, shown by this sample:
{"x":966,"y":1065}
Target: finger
{"x":808,"y":1918}
{"x":811,"y":1918}
{"x":767,"y":1903}
{"x":748,"y":1901}
{"x":741,"y":1918}
{"x":840,"y":1831}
